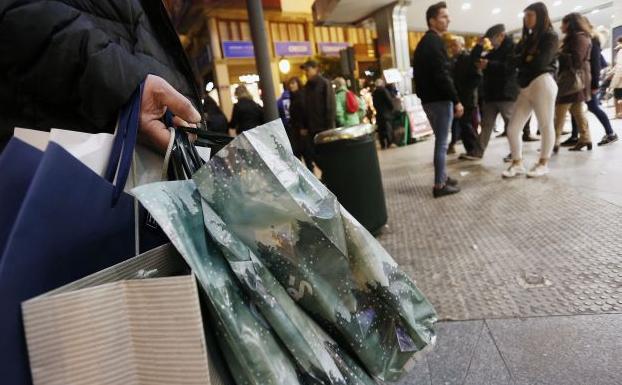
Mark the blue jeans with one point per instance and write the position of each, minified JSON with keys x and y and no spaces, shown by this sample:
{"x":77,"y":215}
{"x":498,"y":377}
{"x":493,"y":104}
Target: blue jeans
{"x":594,"y":107}
{"x":441,"y":116}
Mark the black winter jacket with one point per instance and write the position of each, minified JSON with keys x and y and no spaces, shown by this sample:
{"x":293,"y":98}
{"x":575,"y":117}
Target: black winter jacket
{"x":72,"y":64}
{"x":467,"y":79}
{"x":533,"y":61}
{"x":500,"y":76}
{"x":320,"y":105}
{"x":296,"y":111}
{"x":246,"y":115}
{"x":383,"y":103}
{"x":433,"y":82}
{"x":595,"y":63}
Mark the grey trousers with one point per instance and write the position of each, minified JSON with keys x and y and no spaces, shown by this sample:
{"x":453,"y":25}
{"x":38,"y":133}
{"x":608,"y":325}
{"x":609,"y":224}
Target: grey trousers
{"x":490,"y":111}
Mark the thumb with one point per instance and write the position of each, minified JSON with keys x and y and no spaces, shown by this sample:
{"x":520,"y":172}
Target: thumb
{"x":178,"y":104}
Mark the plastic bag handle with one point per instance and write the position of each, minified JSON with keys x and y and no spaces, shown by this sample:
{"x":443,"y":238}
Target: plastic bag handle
{"x":121,"y":155}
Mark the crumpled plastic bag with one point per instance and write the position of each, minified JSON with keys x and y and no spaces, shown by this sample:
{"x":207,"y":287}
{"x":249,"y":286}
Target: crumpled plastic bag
{"x":252,"y":351}
{"x":320,"y":360}
{"x":329,"y":264}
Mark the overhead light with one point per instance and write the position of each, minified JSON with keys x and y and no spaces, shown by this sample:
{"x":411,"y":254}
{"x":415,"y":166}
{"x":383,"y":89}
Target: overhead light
{"x":466,"y":6}
{"x":557,"y":3}
{"x":521,"y":15}
{"x":595,"y":11}
{"x":284,"y":66}
{"x":496,"y":11}
{"x":613,"y":16}
{"x":249,"y":78}
{"x":578,"y":8}
{"x":209,"y":86}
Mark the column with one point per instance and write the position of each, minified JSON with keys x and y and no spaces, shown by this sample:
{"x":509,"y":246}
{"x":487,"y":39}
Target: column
{"x":394,"y":52}
{"x":262,"y":58}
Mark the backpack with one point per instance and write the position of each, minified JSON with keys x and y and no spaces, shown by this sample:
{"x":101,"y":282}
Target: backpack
{"x":352,"y":102}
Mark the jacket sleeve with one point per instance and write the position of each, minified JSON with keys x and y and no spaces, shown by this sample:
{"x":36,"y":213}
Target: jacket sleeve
{"x":340,"y":113}
{"x":233,"y":123}
{"x":331,"y":105}
{"x":54,"y":52}
{"x":547,"y":51}
{"x":595,"y":64}
{"x":443,"y":79}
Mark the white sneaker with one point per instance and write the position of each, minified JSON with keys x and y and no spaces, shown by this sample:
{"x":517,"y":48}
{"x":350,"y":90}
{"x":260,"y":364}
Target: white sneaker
{"x":514,"y":171}
{"x":538,"y":171}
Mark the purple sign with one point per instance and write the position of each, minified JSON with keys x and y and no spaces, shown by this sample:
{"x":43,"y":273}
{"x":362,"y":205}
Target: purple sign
{"x":292,"y":48}
{"x":238,"y":49}
{"x":331,"y":49}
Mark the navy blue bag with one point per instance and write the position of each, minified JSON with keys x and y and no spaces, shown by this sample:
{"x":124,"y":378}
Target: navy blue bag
{"x":71,"y":223}
{"x":14,"y":182}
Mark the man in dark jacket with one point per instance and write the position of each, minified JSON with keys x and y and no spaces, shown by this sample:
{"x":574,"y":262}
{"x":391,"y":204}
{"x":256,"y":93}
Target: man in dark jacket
{"x":320,"y":104}
{"x":383,"y":104}
{"x":467,"y":78}
{"x":437,"y":92}
{"x":500,"y":81}
{"x":73,"y":64}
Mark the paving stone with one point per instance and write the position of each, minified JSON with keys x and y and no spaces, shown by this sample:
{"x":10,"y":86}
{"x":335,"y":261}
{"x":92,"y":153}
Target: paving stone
{"x":575,"y":350}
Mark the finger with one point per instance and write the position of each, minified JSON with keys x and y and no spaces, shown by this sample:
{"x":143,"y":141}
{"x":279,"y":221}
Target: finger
{"x":155,"y":135}
{"x":178,"y":104}
{"x":177,"y":121}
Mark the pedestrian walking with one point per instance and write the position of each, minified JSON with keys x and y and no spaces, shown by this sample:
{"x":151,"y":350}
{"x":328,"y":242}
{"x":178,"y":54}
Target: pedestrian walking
{"x":574,"y":79}
{"x":247,"y":114}
{"x":467,"y":78}
{"x":384,"y":106}
{"x":346,"y":105}
{"x":319,"y":105}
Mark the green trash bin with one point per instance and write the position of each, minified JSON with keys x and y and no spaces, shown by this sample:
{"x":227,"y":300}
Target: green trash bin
{"x":350,"y":169}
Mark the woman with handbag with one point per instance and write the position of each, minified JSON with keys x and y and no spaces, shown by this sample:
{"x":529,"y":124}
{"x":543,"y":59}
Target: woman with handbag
{"x":536,"y":60}
{"x":574,"y":79}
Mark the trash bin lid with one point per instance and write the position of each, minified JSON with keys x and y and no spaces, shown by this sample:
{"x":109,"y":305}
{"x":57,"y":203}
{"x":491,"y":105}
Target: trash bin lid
{"x":343,"y":133}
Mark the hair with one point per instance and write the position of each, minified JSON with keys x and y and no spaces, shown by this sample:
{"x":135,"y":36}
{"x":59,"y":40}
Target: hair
{"x":495,"y":30}
{"x":459,"y":39}
{"x":340,"y":82}
{"x":241,"y":92}
{"x":379,"y":82}
{"x":434,"y":10}
{"x":543,"y":24}
{"x":619,"y":40}
{"x":576,"y":23}
{"x":295,"y":79}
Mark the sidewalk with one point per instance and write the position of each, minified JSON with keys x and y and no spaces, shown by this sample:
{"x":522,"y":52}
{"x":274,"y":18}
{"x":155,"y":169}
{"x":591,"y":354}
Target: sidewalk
{"x":526,"y":275}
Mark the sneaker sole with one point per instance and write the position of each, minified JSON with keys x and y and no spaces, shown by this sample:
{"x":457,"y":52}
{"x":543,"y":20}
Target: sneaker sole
{"x":604,"y":144}
{"x":532,"y":176}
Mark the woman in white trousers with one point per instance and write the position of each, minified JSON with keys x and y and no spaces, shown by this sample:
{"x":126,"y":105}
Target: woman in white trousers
{"x":536,"y":57}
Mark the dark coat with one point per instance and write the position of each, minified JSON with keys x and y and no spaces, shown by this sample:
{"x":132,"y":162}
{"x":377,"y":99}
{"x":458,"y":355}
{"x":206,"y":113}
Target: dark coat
{"x":500,"y":82}
{"x":432,"y":71}
{"x":596,"y":62}
{"x":466,"y":78}
{"x":383,"y":103}
{"x":72,"y":64}
{"x":575,"y":56}
{"x":246,"y":115}
{"x":319,"y":105}
{"x":536,"y":58}
{"x":297,"y":111}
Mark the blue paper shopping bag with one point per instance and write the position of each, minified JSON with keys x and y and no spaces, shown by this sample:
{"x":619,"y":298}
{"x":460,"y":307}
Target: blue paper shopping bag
{"x":71,"y":223}
{"x":15,"y":178}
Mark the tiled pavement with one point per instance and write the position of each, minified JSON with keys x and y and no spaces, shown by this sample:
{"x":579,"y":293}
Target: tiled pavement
{"x":526,"y":274}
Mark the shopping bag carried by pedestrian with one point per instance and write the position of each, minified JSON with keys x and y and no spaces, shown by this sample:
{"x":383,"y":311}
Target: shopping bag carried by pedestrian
{"x":71,"y":222}
{"x":252,"y":351}
{"x":15,"y":177}
{"x":320,"y":360}
{"x":329,"y":264}
{"x":138,"y":322}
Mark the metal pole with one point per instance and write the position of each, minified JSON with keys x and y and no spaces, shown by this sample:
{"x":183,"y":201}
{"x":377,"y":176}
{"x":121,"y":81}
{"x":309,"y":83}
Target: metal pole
{"x":262,"y":58}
